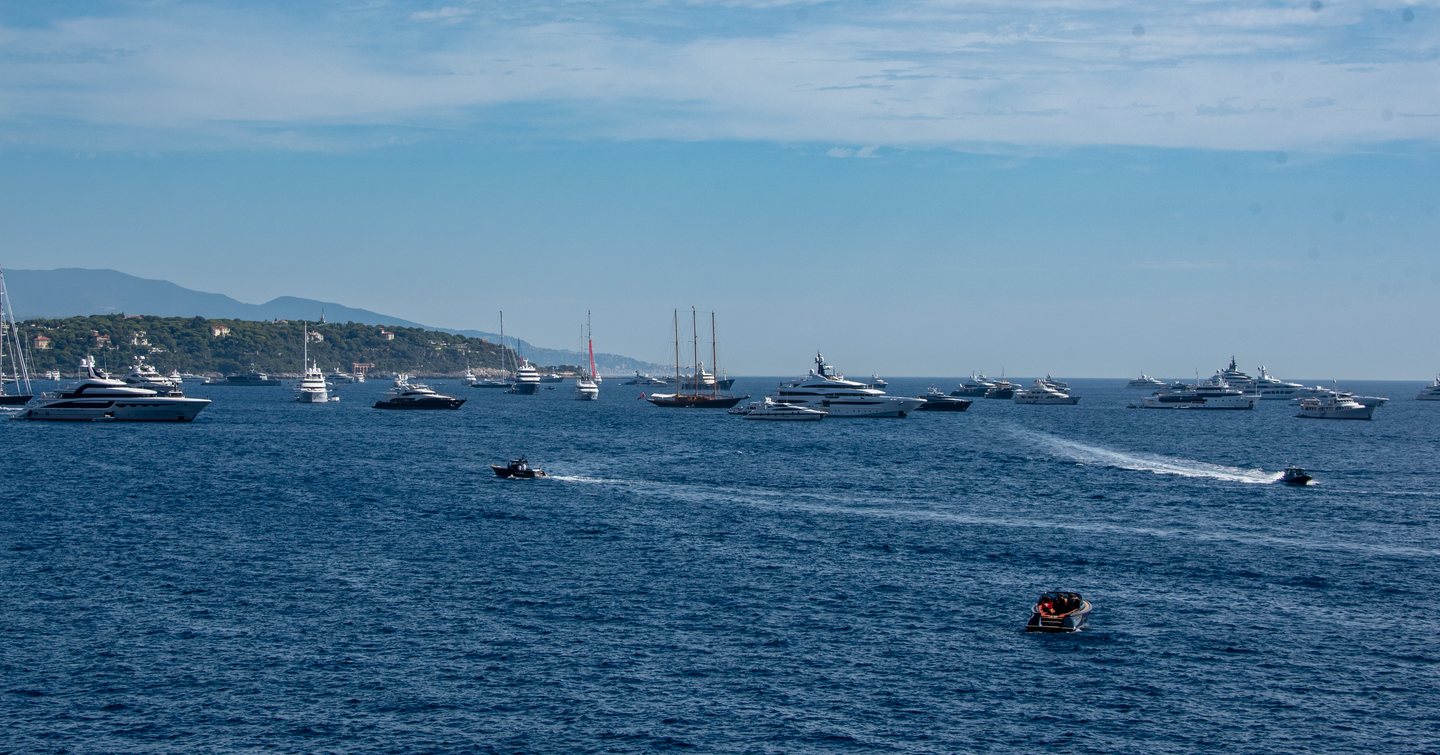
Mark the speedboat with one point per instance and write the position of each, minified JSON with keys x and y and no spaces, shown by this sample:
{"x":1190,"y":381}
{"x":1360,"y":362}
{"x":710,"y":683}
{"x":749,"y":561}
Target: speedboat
{"x":1059,"y":612}
{"x":768,"y":409}
{"x":518,"y":469}
{"x":937,"y":401}
{"x":1430,"y":392}
{"x":827,"y":390}
{"x":1335,"y":406}
{"x":975,"y":386}
{"x":101,"y":397}
{"x":1145,"y":381}
{"x":1294,"y":475}
{"x":1044,"y":392}
{"x":407,"y":395}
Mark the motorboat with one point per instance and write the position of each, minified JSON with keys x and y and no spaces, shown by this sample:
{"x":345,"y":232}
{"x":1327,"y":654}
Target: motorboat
{"x":552,"y":377}
{"x":339,"y":377}
{"x":706,"y":382}
{"x":878,"y":382}
{"x":490,"y":382}
{"x":975,"y":386}
{"x":1235,"y":378}
{"x":937,"y":401}
{"x":1430,"y":392}
{"x":1335,"y":406}
{"x":527,"y":379}
{"x":827,"y":390}
{"x":1271,"y":388}
{"x":1321,"y":391}
{"x":312,"y":388}
{"x":407,"y":395}
{"x":1145,"y":381}
{"x":1002,"y":389}
{"x":768,"y":409}
{"x":1294,"y":475}
{"x":1059,"y":385}
{"x":100,"y":397}
{"x":517,"y":469}
{"x":1044,"y":392}
{"x":1059,"y":612}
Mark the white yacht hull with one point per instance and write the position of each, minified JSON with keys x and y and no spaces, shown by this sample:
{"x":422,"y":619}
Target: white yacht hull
{"x":791,"y":414}
{"x":138,"y":409}
{"x":1046,"y":399}
{"x":313,"y":397}
{"x":1428,"y":395}
{"x":587,"y":391}
{"x":858,"y":406}
{"x":1209,"y":403}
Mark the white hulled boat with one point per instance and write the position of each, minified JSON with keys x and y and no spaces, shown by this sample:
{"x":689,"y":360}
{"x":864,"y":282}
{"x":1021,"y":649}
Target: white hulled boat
{"x":1272,"y":388}
{"x":100,"y":397}
{"x":768,"y":409}
{"x":1145,"y":381}
{"x":975,"y":385}
{"x":407,"y":395}
{"x":312,"y":388}
{"x":1044,"y":391}
{"x":144,"y":375}
{"x":1335,"y":406}
{"x":827,"y":390}
{"x":1233,"y":377}
{"x":527,"y":379}
{"x":1213,"y":393}
{"x":587,"y":386}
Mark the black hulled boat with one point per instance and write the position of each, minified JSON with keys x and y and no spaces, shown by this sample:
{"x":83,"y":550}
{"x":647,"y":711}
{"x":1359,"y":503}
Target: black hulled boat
{"x":517,"y":469}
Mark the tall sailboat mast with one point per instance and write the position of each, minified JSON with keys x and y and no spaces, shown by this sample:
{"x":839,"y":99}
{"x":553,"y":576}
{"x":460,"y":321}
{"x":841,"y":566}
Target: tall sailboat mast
{"x":504,"y":359}
{"x":10,"y":332}
{"x":714,"y":364}
{"x":675,"y":318}
{"x":590,"y":344}
{"x":695,"y":349}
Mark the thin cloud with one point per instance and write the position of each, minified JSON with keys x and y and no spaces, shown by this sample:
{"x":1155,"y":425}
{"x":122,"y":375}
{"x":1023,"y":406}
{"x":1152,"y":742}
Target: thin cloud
{"x":964,"y":75}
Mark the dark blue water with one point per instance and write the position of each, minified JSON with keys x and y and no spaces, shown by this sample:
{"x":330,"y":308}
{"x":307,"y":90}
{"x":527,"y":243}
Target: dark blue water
{"x":331,"y":578}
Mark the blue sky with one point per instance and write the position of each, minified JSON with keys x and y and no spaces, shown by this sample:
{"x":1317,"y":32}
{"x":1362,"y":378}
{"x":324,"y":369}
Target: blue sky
{"x":1086,"y":188}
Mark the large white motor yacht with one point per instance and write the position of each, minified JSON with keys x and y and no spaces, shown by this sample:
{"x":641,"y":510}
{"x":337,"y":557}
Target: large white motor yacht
{"x":1272,"y":388}
{"x":101,"y":397}
{"x":527,"y":379}
{"x":312,"y":388}
{"x":1334,"y":406}
{"x":144,"y":375}
{"x":1213,"y":393}
{"x":1430,"y":392}
{"x":1045,"y":391}
{"x":1145,"y":381}
{"x":1233,"y":377}
{"x":586,"y":389}
{"x":826,"y":390}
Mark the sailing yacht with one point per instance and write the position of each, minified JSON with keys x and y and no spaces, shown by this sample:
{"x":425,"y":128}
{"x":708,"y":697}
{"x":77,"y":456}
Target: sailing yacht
{"x":828,"y":390}
{"x":695,"y":399}
{"x":312,"y":388}
{"x":10,"y":347}
{"x":586,"y":387}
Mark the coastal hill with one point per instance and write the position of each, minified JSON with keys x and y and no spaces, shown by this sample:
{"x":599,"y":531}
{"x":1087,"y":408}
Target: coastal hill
{"x":204,"y":345}
{"x":72,"y":292}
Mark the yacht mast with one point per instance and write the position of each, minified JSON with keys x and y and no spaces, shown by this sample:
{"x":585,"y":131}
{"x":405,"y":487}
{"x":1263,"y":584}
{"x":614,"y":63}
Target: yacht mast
{"x":504,"y":360}
{"x":695,"y":348}
{"x":714,"y":365}
{"x":590,"y":344}
{"x":675,"y":318}
{"x":11,"y":336}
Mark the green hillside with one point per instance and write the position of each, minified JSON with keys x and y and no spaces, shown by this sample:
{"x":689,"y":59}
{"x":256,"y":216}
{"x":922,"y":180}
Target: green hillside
{"x":201,"y":345}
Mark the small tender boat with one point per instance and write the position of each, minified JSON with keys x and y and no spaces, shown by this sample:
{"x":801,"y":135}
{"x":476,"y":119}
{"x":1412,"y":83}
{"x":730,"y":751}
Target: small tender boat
{"x":1059,"y":612}
{"x":766,"y":409}
{"x":517,"y":468}
{"x":1294,"y":475}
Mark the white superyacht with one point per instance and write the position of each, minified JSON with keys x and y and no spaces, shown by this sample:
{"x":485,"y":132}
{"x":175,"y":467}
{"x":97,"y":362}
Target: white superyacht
{"x":101,"y":397}
{"x":826,"y":390}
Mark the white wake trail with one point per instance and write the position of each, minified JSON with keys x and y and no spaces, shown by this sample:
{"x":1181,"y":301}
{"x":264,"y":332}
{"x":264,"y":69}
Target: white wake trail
{"x":1085,"y":453}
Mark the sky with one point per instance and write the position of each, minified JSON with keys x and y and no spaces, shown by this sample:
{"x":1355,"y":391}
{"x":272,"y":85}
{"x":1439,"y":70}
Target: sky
{"x":1086,"y":188}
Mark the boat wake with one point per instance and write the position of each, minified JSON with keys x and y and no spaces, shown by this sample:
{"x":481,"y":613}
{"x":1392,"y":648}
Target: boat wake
{"x":1085,"y":453}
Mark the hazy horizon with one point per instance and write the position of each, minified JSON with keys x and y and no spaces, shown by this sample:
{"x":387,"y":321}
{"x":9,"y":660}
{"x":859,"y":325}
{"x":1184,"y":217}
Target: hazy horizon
{"x":913,"y":188}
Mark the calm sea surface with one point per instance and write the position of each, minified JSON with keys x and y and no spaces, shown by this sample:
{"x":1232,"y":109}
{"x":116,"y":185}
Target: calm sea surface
{"x":331,"y":578}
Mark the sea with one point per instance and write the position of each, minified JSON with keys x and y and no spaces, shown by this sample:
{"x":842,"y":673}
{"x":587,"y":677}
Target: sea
{"x":296,"y":578}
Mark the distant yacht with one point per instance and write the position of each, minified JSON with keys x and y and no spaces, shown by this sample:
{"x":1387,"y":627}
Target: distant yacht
{"x":1271,"y":388}
{"x":312,"y":388}
{"x":1001,"y":389}
{"x":1211,"y":394}
{"x":10,"y":349}
{"x":470,"y":378}
{"x":407,"y":395}
{"x":1430,"y":392}
{"x":768,"y":409}
{"x":100,"y":397}
{"x":1233,"y":377}
{"x":878,"y":382}
{"x":826,"y":389}
{"x":644,"y":379}
{"x":144,"y":375}
{"x":252,"y":378}
{"x":527,"y":379}
{"x":975,"y":386}
{"x":587,"y":386}
{"x":1043,"y":391}
{"x":1145,"y":381}
{"x":1335,"y":406}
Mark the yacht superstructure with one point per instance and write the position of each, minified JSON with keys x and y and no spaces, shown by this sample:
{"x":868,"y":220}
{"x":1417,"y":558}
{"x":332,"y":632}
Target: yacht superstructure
{"x":101,"y":397}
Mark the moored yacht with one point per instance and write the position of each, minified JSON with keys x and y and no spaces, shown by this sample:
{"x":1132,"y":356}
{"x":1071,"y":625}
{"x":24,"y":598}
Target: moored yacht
{"x":101,"y":397}
{"x":1213,"y":393}
{"x":407,"y":395}
{"x":1043,"y":391}
{"x":1145,"y":381}
{"x":1233,"y":377}
{"x":312,"y":388}
{"x":1002,"y":389}
{"x":642,"y":378}
{"x":1335,"y":406}
{"x":1430,"y":392}
{"x":1271,"y":388}
{"x":974,"y":386}
{"x":827,"y":390}
{"x":144,"y":375}
{"x":937,"y":401}
{"x":527,"y":379}
{"x":768,"y":409}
